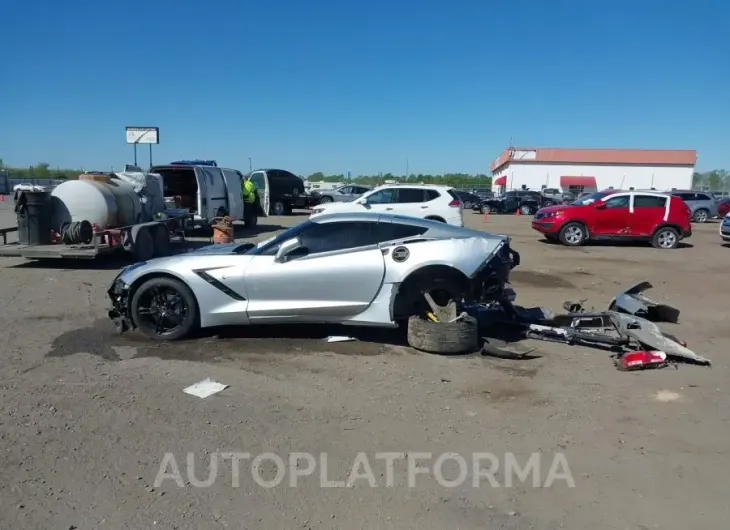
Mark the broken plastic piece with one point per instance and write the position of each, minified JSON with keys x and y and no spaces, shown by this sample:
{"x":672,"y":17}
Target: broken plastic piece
{"x":633,"y":302}
{"x":641,"y":360}
{"x":339,"y":338}
{"x":205,"y":388}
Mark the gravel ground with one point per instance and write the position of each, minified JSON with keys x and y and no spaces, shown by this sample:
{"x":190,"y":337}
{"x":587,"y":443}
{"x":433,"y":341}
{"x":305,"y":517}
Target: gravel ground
{"x":87,"y":417}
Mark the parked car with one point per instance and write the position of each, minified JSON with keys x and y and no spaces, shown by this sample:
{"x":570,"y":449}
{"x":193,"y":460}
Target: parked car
{"x":659,"y":218}
{"x":347,"y":193}
{"x":483,"y":193}
{"x":557,"y":196}
{"x":366,"y":269}
{"x":725,"y":228}
{"x":468,"y":199}
{"x":438,"y":203}
{"x":526,"y":201}
{"x":279,"y":191}
{"x":703,"y":204}
{"x":723,"y":207}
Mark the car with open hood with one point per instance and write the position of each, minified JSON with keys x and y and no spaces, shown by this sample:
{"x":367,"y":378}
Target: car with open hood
{"x":360,"y":269}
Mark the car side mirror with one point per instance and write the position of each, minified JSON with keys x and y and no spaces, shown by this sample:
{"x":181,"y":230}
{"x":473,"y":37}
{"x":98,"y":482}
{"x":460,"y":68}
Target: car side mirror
{"x":286,"y":248}
{"x":361,"y":201}
{"x":600,"y":206}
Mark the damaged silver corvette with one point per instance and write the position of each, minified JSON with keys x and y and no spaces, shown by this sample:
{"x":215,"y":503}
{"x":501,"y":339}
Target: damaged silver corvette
{"x":357,"y":269}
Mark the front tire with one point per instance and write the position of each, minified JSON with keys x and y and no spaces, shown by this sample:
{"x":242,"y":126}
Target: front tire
{"x":525,"y":210}
{"x":573,"y":235}
{"x":666,"y":238}
{"x":325,"y":200}
{"x":164,"y":309}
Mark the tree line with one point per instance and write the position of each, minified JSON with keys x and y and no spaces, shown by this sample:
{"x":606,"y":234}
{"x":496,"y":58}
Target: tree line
{"x":717,"y":179}
{"x":448,"y":179}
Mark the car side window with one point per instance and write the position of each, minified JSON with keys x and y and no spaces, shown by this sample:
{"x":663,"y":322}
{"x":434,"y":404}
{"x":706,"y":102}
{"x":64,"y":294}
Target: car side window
{"x":410,"y":195}
{"x":382,"y":197}
{"x":618,"y":202}
{"x":432,"y":195}
{"x":703,"y":197}
{"x":346,"y":190}
{"x":685,"y":196}
{"x":328,"y":237}
{"x":394,"y":231}
{"x":649,"y":201}
{"x":258,"y":179}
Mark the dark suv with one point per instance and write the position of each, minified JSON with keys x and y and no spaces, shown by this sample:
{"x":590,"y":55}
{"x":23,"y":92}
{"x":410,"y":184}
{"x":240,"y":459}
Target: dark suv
{"x":526,"y":201}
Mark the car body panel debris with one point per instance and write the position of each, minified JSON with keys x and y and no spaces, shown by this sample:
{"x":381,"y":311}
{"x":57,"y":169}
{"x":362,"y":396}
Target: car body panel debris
{"x":641,"y":360}
{"x":633,"y":302}
{"x":205,"y":388}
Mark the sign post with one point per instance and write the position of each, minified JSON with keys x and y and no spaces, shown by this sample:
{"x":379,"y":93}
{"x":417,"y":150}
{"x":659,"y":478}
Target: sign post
{"x":143,"y":135}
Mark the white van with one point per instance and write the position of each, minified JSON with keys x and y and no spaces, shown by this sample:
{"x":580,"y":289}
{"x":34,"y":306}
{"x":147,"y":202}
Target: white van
{"x":202,"y":187}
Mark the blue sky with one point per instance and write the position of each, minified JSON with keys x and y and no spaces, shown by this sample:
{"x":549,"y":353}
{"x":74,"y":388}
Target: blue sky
{"x":363,"y":86}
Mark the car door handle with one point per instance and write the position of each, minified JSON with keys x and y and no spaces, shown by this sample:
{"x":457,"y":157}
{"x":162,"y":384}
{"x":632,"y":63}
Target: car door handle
{"x":424,"y":207}
{"x":389,"y":208}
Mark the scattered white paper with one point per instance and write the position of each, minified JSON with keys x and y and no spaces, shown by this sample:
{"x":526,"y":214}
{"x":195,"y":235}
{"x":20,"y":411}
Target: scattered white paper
{"x":339,"y":338}
{"x":205,"y":388}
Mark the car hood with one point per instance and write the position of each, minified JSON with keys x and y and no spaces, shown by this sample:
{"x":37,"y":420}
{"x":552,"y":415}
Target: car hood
{"x":556,"y":208}
{"x":332,"y":207}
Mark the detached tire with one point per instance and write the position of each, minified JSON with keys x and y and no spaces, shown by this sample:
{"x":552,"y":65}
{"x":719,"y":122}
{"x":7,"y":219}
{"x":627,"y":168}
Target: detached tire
{"x":443,"y":337}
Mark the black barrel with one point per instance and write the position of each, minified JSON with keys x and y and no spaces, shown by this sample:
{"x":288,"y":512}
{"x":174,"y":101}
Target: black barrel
{"x":33,"y":210}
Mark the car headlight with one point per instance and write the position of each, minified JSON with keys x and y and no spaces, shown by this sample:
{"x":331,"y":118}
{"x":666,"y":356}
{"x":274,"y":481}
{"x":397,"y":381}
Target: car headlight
{"x":315,"y":211}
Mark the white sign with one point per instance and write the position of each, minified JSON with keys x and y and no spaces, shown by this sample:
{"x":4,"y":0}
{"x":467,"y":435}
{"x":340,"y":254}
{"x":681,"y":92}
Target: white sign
{"x":143,"y":135}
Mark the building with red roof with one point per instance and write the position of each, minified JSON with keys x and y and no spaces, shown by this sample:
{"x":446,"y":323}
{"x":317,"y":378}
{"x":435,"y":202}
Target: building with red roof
{"x":579,"y":170}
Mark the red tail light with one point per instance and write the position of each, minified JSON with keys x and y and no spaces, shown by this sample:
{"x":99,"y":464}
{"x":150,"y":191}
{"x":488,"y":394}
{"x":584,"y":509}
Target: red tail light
{"x":455,"y":203}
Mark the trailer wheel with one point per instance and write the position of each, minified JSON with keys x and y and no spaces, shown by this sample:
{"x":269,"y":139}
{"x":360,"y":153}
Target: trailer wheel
{"x":443,"y":337}
{"x":161,"y":241}
{"x":143,"y":247}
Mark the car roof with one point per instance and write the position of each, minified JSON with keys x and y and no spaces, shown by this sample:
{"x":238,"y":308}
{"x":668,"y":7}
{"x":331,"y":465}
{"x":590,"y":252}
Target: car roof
{"x":422,"y":186}
{"x":435,"y":228}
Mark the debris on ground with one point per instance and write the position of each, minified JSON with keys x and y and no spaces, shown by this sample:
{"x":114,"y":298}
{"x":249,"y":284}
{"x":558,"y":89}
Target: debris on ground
{"x":633,"y":302}
{"x":636,"y":342}
{"x":339,"y":338}
{"x":205,"y":388}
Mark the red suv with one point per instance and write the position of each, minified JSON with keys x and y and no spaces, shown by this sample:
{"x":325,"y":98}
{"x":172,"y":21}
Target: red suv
{"x":617,"y":215}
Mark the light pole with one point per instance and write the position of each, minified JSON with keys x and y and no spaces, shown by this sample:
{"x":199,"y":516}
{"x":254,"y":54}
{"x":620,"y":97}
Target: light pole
{"x":250,"y":166}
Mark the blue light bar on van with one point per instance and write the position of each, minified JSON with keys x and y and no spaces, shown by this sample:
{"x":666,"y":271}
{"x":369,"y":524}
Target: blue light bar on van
{"x":195,"y":163}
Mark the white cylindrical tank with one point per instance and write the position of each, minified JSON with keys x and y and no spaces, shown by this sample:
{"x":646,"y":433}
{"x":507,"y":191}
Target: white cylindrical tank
{"x":107,"y":203}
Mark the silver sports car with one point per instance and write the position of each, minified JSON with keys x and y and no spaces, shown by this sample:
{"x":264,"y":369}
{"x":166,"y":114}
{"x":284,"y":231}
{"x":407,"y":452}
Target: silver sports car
{"x":361,"y":269}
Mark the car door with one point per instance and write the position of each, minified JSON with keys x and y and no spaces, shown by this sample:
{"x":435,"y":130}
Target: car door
{"x":261,"y":181}
{"x":511,"y":203}
{"x":612,"y":217}
{"x":647,"y":212}
{"x":411,"y":201}
{"x":232,"y":180}
{"x":335,"y":275}
{"x":217,"y":195}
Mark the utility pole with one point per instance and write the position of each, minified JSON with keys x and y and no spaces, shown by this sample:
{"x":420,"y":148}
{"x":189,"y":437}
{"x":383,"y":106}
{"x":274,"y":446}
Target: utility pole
{"x":408,"y":171}
{"x":250,"y":165}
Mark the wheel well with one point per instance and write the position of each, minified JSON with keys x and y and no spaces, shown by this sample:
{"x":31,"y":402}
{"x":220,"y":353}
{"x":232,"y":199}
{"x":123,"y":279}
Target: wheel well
{"x":136,"y":284}
{"x":436,"y":218}
{"x":409,"y":300}
{"x":667,"y":225}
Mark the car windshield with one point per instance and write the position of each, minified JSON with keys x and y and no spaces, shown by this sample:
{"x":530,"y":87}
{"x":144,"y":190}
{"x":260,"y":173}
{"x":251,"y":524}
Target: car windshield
{"x":593,"y":197}
{"x":292,"y":232}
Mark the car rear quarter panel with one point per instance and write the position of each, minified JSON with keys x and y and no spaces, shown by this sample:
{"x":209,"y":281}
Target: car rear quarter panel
{"x":467,"y":255}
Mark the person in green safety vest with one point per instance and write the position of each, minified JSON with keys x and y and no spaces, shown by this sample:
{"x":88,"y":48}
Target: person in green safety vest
{"x":249,"y":195}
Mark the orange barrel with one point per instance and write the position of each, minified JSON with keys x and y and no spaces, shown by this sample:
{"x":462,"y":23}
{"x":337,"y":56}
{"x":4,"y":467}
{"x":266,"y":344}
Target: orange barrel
{"x":223,"y":230}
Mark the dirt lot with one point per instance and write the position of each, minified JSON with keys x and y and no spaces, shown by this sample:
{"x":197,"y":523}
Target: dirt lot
{"x":87,"y":417}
